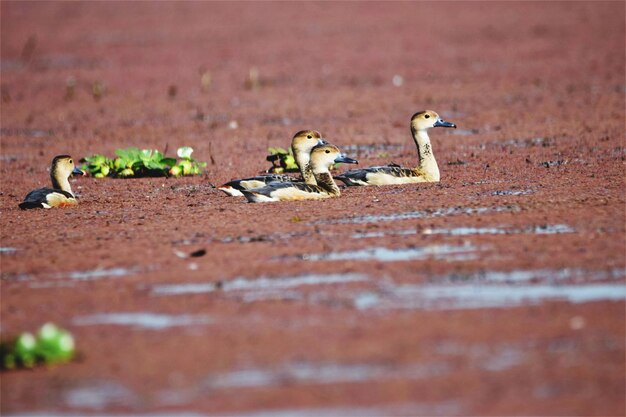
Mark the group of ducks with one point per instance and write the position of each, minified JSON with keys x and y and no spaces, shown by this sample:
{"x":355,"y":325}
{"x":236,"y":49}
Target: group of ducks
{"x":314,"y":157}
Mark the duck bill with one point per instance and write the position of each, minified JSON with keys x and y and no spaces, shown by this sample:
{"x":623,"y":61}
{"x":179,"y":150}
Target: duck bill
{"x":443,"y":123}
{"x":344,"y":159}
{"x":322,"y":141}
{"x":77,"y":171}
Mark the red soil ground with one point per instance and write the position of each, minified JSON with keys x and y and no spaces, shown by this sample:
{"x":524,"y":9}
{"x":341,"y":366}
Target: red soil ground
{"x":501,"y":292}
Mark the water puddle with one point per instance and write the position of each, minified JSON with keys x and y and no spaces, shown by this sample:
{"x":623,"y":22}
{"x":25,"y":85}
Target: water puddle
{"x":467,"y":296}
{"x":512,"y":192}
{"x":95,"y":274}
{"x":552,"y":229}
{"x":551,"y":276}
{"x":257,"y":284}
{"x":468,"y":231}
{"x":440,"y":252}
{"x":364,"y":235}
{"x":324,"y":373}
{"x":7,"y":250}
{"x":99,"y":395}
{"x":142,"y":320}
{"x":450,"y":211}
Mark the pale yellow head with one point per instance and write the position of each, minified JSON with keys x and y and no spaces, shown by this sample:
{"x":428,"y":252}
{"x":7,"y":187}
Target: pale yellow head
{"x":62,"y":167}
{"x":426,"y":119}
{"x":305,"y":140}
{"x":324,"y":156}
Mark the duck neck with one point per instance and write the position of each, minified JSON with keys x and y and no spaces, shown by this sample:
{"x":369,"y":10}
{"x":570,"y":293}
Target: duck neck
{"x":303,"y":159}
{"x":60,"y":182}
{"x":427,"y":163}
{"x":325,"y":180}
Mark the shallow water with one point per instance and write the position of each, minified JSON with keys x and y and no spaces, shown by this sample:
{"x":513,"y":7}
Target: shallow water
{"x":465,"y":231}
{"x":99,"y":395}
{"x":443,"y":252}
{"x":262,"y":283}
{"x":467,"y":296}
{"x":324,"y":373}
{"x":512,"y":192}
{"x":99,"y":274}
{"x":150,"y":321}
{"x":468,"y":231}
{"x":450,"y":211}
{"x":544,"y":275}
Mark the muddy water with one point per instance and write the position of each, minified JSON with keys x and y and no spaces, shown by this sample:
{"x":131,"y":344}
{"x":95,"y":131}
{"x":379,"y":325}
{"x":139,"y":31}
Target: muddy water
{"x":497,"y":291}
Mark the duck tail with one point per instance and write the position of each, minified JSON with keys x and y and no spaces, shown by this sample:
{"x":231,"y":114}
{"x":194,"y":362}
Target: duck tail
{"x":230,"y":190}
{"x":30,"y":205}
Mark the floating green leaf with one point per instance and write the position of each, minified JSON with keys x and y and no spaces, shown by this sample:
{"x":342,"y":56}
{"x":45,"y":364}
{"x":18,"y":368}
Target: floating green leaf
{"x":135,"y":162}
{"x":282,"y":160}
{"x":51,"y":345}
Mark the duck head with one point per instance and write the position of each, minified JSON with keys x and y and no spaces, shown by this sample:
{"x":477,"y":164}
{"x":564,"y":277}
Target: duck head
{"x":426,"y":119}
{"x":63,"y":166}
{"x":324,"y":156}
{"x":305,"y":140}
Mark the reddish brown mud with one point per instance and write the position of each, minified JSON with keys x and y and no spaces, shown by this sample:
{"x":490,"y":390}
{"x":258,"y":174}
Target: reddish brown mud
{"x":498,"y":291}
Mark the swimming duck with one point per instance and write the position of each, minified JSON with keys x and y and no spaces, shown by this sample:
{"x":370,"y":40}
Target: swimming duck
{"x":60,"y":195}
{"x":301,"y":146}
{"x":426,"y":171}
{"x":322,"y":158}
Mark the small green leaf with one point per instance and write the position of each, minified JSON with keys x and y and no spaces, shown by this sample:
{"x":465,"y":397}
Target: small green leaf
{"x":170,"y":162}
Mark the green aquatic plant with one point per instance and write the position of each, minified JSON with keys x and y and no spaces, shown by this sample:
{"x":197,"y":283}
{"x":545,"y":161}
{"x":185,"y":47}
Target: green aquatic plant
{"x":282,"y":161}
{"x":186,"y":164}
{"x":135,"y":162}
{"x":52,"y":345}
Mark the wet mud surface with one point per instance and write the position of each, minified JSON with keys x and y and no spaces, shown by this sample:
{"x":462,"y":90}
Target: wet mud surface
{"x":498,"y":291}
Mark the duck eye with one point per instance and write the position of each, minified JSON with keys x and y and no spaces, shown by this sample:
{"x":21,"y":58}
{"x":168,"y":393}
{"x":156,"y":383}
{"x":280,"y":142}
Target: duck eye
{"x":426,"y":116}
{"x":71,"y":162}
{"x":309,"y":137}
{"x":327,"y":151}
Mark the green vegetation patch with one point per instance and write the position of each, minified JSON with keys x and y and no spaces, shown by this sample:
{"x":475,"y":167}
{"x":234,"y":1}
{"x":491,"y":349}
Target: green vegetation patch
{"x":282,"y":161}
{"x":50,"y":346}
{"x":135,"y":162}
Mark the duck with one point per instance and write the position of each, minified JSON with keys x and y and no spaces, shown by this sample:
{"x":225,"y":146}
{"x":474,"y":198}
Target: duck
{"x":60,"y":195}
{"x":301,"y":145}
{"x":322,"y":158}
{"x":426,"y":170}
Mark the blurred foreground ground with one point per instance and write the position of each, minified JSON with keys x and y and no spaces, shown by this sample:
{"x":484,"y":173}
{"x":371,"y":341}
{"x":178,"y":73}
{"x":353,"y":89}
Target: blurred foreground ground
{"x":499,"y":291}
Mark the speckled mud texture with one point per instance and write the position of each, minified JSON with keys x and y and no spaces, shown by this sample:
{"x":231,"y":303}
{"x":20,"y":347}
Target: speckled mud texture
{"x":498,"y":291}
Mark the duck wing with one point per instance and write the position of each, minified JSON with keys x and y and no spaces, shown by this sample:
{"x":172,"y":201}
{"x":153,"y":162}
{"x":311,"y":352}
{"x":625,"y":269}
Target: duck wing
{"x":366,"y":176}
{"x":235,"y":187}
{"x":47,"y":198}
{"x":285,"y":191}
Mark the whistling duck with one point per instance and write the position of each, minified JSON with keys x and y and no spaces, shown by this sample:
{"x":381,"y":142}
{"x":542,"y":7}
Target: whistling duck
{"x":426,"y":171}
{"x":60,"y":195}
{"x":301,"y":146}
{"x":322,"y":158}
